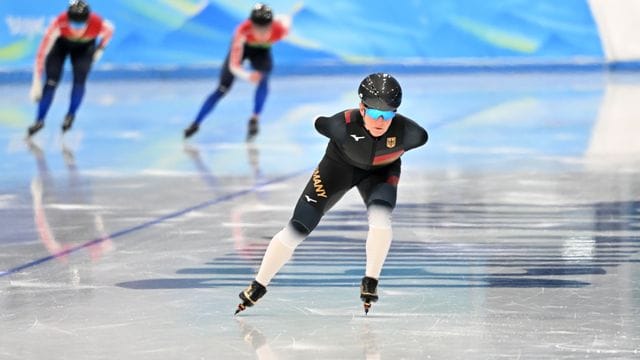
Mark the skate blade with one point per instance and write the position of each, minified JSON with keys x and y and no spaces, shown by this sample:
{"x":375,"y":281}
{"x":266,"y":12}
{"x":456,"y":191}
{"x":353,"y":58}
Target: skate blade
{"x":241,"y":307}
{"x":367,"y":306}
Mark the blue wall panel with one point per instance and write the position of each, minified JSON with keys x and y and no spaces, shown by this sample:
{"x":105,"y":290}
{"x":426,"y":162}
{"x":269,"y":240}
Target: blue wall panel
{"x":188,"y":33}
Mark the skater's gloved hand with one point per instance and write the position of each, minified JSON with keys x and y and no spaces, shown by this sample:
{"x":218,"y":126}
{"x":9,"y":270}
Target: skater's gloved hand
{"x":255,"y":77}
{"x":36,"y":89}
{"x":97,"y":54}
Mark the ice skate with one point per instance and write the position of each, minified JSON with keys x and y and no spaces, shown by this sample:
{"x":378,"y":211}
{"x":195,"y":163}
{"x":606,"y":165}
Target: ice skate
{"x":368,"y":292}
{"x":251,"y":295}
{"x":35,"y":128}
{"x":188,"y":132}
{"x":68,"y":122}
{"x":252,"y":128}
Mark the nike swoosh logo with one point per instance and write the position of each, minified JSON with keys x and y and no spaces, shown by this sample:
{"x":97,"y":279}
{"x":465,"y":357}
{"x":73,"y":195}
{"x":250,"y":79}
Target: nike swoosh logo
{"x":310,"y":199}
{"x":356,"y":137}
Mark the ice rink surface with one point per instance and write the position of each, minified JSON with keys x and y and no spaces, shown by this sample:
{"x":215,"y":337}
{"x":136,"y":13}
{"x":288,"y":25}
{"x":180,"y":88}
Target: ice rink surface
{"x":516,"y":234}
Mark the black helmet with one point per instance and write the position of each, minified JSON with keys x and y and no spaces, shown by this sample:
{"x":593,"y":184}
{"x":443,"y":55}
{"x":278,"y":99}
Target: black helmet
{"x":380,"y":91}
{"x":261,"y":14}
{"x":78,"y":11}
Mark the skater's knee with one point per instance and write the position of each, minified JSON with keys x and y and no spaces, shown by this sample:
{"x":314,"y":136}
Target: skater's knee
{"x":52,"y":82}
{"x":299,"y":227}
{"x":384,"y":194}
{"x":290,"y":236}
{"x":305,"y":217}
{"x":379,"y":215}
{"x":223,"y":89}
{"x":264,"y":80}
{"x":304,"y":224}
{"x":78,"y":87}
{"x":80,"y":79}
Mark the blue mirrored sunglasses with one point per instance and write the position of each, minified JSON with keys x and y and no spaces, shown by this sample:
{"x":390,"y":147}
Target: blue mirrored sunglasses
{"x":376,"y":114}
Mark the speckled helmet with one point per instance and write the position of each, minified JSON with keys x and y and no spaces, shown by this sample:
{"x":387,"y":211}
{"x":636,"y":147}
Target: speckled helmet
{"x":380,"y":91}
{"x":261,"y":14}
{"x":78,"y":11}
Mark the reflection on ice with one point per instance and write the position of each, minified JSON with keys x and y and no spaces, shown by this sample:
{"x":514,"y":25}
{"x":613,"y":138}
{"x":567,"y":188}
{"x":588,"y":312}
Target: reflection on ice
{"x":62,"y":211}
{"x":614,"y":136}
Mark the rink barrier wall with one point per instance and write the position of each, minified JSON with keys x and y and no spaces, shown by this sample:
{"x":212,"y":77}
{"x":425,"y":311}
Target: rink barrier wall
{"x":212,"y":71}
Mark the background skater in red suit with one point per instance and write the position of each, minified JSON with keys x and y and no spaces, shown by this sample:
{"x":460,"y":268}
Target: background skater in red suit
{"x":75,"y":34}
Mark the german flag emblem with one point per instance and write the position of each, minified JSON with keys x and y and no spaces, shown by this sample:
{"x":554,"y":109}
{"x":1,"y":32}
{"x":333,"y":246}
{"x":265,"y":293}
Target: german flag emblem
{"x":391,"y":142}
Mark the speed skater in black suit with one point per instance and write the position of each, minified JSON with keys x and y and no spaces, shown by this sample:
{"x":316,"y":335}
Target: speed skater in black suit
{"x":364,"y":151}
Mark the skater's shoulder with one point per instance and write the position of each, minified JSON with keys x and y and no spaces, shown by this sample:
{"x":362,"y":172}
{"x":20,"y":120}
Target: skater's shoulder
{"x":334,"y":125}
{"x":244,"y":27}
{"x":415,"y":135}
{"x":345,"y":116}
{"x":95,"y":17}
{"x":339,"y":118}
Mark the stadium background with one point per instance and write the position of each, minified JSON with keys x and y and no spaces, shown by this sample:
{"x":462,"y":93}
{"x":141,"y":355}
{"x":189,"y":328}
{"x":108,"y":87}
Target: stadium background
{"x":180,"y":36}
